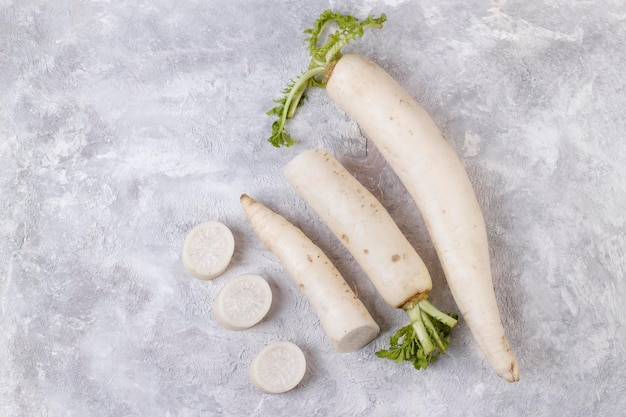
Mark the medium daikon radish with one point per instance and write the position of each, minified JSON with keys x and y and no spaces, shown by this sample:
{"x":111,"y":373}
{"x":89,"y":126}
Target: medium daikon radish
{"x":278,"y":368}
{"x":372,"y":237}
{"x":345,"y":320}
{"x":426,"y":163}
{"x":207,"y":250}
{"x":362,"y":225}
{"x":242,"y":302}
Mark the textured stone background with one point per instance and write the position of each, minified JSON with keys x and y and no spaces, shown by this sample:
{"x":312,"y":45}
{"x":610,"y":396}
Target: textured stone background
{"x":124,"y":124}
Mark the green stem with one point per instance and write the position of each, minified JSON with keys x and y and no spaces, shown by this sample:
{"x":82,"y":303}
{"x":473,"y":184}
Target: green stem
{"x":433,"y":332}
{"x":294,"y":97}
{"x":435,"y":313}
{"x":334,"y":53}
{"x":415,"y":315}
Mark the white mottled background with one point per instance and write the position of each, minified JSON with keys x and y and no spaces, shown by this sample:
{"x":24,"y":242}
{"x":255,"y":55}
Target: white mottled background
{"x":124,"y":124}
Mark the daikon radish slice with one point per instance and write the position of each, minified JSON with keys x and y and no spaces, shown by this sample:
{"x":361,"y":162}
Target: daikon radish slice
{"x":242,"y":302}
{"x":207,"y":250}
{"x":278,"y":368}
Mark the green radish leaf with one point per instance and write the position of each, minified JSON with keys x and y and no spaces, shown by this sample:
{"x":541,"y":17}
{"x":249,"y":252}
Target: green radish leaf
{"x":405,"y":344}
{"x":323,"y":58}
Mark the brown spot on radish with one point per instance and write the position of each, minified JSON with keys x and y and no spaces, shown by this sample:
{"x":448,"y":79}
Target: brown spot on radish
{"x":345,"y":238}
{"x":514,"y":374}
{"x":443,"y":211}
{"x":366,"y":251}
{"x":507,"y":347}
{"x":301,"y":286}
{"x":395,"y":258}
{"x":308,"y":257}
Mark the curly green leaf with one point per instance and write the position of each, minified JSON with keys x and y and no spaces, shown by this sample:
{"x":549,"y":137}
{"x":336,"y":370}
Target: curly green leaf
{"x":323,"y":58}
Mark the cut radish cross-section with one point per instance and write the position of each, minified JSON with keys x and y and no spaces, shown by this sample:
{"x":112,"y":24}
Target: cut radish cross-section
{"x":278,"y":368}
{"x":242,"y":302}
{"x":207,"y":250}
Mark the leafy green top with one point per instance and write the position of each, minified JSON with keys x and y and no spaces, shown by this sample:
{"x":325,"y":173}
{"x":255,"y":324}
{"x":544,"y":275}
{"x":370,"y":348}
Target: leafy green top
{"x":424,"y":339}
{"x":323,"y":58}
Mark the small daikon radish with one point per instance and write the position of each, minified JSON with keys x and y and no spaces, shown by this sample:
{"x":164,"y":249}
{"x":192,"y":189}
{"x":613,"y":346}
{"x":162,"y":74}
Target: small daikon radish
{"x":345,"y":320}
{"x":374,"y":240}
{"x":208,"y":250}
{"x":278,"y":368}
{"x":242,"y":302}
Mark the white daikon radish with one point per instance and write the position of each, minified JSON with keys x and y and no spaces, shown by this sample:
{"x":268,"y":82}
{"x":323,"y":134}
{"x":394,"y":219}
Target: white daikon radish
{"x":242,"y":302}
{"x":372,"y":237}
{"x":208,"y":250}
{"x":278,"y":368}
{"x":345,"y":320}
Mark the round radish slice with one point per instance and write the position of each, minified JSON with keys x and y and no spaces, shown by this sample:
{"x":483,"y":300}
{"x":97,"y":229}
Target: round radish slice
{"x":242,"y":302}
{"x":278,"y":368}
{"x":207,"y":250}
